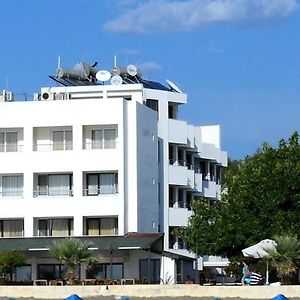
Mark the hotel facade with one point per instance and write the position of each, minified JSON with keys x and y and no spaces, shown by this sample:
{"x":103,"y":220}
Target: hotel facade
{"x":107,"y":163}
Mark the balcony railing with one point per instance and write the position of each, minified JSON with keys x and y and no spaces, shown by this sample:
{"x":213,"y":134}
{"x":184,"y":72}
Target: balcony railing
{"x":11,"y":148}
{"x":100,"y":191}
{"x":53,"y":147}
{"x":15,"y":193}
{"x":177,"y":245}
{"x":52,"y":192}
{"x":99,"y":145}
{"x":181,"y":163}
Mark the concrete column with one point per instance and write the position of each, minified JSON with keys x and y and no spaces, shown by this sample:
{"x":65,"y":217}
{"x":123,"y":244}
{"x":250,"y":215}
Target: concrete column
{"x":207,"y":169}
{"x":78,"y":225}
{"x":28,"y":139}
{"x":33,"y":261}
{"x":77,"y":137}
{"x":175,"y":196}
{"x":77,"y":184}
{"x":28,"y":226}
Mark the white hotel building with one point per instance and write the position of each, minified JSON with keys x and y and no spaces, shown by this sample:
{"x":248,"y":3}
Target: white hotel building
{"x":108,"y":163}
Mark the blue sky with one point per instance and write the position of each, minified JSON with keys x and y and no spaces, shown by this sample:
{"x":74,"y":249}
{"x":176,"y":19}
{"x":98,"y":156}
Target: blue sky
{"x":238,"y":60}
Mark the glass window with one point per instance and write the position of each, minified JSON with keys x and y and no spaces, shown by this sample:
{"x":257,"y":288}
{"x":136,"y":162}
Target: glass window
{"x":2,"y":149}
{"x":108,"y":183}
{"x":108,"y":226}
{"x":58,"y":140}
{"x":11,"y":228}
{"x":93,"y":184}
{"x":55,"y":227}
{"x":12,"y":186}
{"x":55,"y":185}
{"x":97,"y":139}
{"x":59,"y":185}
{"x":43,"y":185}
{"x":8,"y":141}
{"x":23,"y":273}
{"x":154,"y":271}
{"x":101,"y":183}
{"x":62,"y":140}
{"x":51,"y":272}
{"x":11,"y":141}
{"x":109,"y":138}
{"x":104,"y":138}
{"x":102,"y":271}
{"x":102,"y":226}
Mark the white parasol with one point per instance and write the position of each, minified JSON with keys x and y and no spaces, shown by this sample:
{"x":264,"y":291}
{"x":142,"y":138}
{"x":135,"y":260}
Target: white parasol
{"x":259,"y":250}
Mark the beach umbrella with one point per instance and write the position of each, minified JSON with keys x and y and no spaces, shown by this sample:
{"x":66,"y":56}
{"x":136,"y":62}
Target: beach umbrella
{"x":73,"y":297}
{"x":259,"y":250}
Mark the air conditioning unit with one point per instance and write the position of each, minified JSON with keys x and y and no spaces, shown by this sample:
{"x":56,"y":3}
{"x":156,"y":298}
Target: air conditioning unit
{"x":9,"y":96}
{"x":47,"y":96}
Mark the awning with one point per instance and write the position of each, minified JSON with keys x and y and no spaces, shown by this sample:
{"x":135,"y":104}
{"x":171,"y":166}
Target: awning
{"x":130,"y":241}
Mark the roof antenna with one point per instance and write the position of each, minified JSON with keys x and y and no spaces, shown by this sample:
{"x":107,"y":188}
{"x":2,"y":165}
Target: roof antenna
{"x":58,"y":62}
{"x":115,"y":61}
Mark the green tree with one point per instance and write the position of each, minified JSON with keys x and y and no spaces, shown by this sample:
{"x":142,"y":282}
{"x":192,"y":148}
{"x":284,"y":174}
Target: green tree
{"x":72,"y":253}
{"x":9,"y":260}
{"x":286,"y":257}
{"x":262,"y":199}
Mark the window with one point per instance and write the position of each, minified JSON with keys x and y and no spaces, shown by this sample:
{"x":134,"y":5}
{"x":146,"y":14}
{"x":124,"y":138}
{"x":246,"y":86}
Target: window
{"x":101,"y":183}
{"x":55,"y":185}
{"x":12,"y":186}
{"x":22,"y":273}
{"x":103,"y":271}
{"x":153,"y":104}
{"x":62,"y":140}
{"x":11,"y":228}
{"x":104,"y":138}
{"x":102,"y":226}
{"x":52,"y":272}
{"x":154,"y":271}
{"x":55,"y":227}
{"x":8,"y":141}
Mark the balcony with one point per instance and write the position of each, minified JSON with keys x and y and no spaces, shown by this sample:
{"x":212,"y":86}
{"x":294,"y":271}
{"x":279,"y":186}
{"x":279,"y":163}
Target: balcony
{"x":11,"y":228}
{"x":179,"y":216}
{"x":53,"y":192}
{"x":16,"y":193}
{"x":11,"y":185}
{"x":99,"y":146}
{"x":100,"y":191}
{"x":211,"y":189}
{"x":53,"y":185}
{"x":178,"y":132}
{"x":59,"y":138}
{"x":176,"y":245}
{"x":53,"y":227}
{"x":181,"y":174}
{"x":198,"y":181}
{"x":52,"y":147}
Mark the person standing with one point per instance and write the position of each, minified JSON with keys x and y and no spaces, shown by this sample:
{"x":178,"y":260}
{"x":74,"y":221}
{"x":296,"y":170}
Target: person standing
{"x":246,"y":274}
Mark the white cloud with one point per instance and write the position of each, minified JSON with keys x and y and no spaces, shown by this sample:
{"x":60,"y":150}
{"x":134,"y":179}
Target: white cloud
{"x":169,"y":15}
{"x":211,"y":48}
{"x":147,"y":66}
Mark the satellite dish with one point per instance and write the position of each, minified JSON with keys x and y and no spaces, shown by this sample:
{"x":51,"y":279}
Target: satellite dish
{"x":173,"y":86}
{"x":132,"y":70}
{"x":116,"y":80}
{"x":103,"y":75}
{"x":116,"y":70}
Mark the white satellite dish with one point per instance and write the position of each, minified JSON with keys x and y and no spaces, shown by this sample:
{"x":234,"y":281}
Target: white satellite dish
{"x":116,"y":80}
{"x":103,"y":75}
{"x":132,"y":70}
{"x":173,"y":86}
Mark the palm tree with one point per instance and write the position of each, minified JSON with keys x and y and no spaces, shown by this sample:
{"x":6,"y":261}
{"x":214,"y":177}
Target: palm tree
{"x":73,"y":252}
{"x":286,"y":257}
